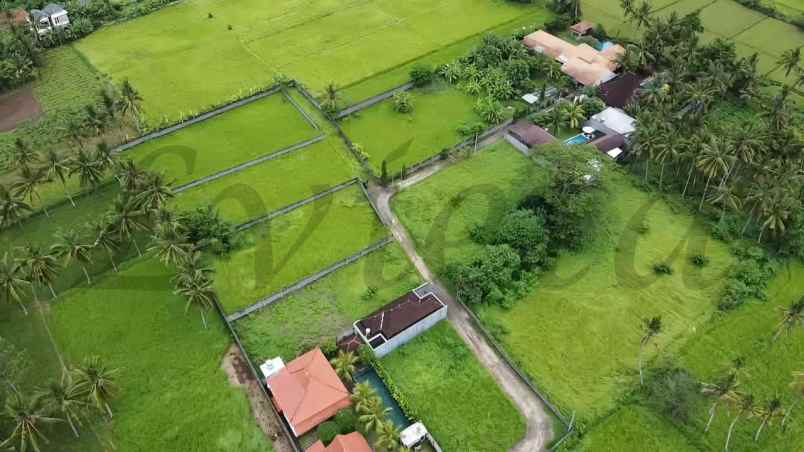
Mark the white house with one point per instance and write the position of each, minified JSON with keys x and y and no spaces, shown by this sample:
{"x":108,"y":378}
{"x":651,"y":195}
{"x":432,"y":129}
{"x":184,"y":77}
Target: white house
{"x":51,"y":17}
{"x":613,"y":121}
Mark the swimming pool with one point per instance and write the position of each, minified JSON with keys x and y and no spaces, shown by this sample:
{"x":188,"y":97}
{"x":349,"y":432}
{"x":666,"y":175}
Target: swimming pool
{"x":395,"y":415}
{"x":605,"y":45}
{"x":577,"y":139}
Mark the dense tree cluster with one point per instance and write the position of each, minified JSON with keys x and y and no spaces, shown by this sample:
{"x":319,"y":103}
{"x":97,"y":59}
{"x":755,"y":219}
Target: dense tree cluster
{"x":19,"y":57}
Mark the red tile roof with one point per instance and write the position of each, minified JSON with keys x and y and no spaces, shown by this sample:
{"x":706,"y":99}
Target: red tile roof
{"x":353,"y":442}
{"x":308,"y":391}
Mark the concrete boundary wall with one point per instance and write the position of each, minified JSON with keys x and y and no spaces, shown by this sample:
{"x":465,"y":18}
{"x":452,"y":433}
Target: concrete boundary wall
{"x":364,"y":104}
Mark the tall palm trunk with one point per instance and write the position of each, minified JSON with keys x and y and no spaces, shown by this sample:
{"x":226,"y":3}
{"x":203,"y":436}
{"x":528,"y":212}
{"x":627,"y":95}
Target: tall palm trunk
{"x":86,"y":273}
{"x":72,"y":425}
{"x":111,"y":259}
{"x":703,"y":196}
{"x":69,"y":196}
{"x":748,"y":221}
{"x":759,"y":430}
{"x":639,"y":363}
{"x":661,"y":175}
{"x":22,"y":306}
{"x":686,"y":184}
{"x":204,"y":319}
{"x":731,"y":430}
{"x":712,"y":411}
{"x":137,"y":246}
{"x":52,"y":292}
{"x":647,"y":165}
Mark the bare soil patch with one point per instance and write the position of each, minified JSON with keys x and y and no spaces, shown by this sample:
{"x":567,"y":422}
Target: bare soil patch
{"x":18,"y":106}
{"x":240,"y":376}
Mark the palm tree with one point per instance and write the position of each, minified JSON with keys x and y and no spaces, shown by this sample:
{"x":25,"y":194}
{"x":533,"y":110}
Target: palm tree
{"x":642,"y":15}
{"x":106,"y":239}
{"x":28,"y":185}
{"x":58,"y":166}
{"x":329,"y":103}
{"x":198,"y":292}
{"x":127,"y":220}
{"x":93,"y":120}
{"x":23,"y":155}
{"x":791,"y":318}
{"x":88,"y":169}
{"x":723,"y":390}
{"x":574,"y":114}
{"x":154,"y":193}
{"x":66,"y":399}
{"x":388,"y":436}
{"x":797,"y":386}
{"x":96,"y":382}
{"x":12,"y":208}
{"x":789,"y":60}
{"x":650,"y":328}
{"x":374,"y":414}
{"x":130,"y":102}
{"x":171,"y":246}
{"x":627,"y":7}
{"x":129,"y":176}
{"x":361,"y":396}
{"x":725,"y":196}
{"x":191,"y":268}
{"x":104,"y":157}
{"x":344,"y":365}
{"x":745,"y":407}
{"x":713,"y":161}
{"x":42,"y":268}
{"x":73,"y":249}
{"x":12,"y":281}
{"x":27,"y":415}
{"x":775,"y":211}
{"x":767,"y":413}
{"x":75,"y":130}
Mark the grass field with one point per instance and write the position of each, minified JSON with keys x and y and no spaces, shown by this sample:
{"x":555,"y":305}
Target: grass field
{"x":324,"y":310}
{"x":341,"y":41}
{"x":173,"y":394}
{"x":634,"y":428}
{"x":235,"y":137}
{"x":274,"y":184}
{"x":406,"y":139}
{"x":492,"y":182}
{"x":452,"y":394}
{"x":290,"y":247}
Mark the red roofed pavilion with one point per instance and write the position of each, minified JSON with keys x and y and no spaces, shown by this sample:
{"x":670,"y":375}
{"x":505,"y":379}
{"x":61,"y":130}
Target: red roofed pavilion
{"x":308,"y":391}
{"x":353,"y":442}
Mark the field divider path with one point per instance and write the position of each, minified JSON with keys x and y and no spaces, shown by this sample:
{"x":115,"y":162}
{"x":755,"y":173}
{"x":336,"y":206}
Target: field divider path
{"x":248,"y":164}
{"x":291,"y":207}
{"x":364,"y":104}
{"x":304,"y":282}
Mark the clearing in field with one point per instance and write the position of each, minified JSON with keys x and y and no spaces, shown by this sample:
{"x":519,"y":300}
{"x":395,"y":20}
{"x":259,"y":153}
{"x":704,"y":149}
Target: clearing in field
{"x":404,"y":139}
{"x":326,"y":309}
{"x":293,"y":246}
{"x":635,"y":428}
{"x":262,"y":127}
{"x":241,"y":44}
{"x":445,"y":386}
{"x":18,"y":106}
{"x":168,"y":363}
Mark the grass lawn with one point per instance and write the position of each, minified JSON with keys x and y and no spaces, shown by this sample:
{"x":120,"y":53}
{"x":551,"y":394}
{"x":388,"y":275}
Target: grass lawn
{"x":255,"y":191}
{"x":290,"y":247}
{"x":337,"y":41}
{"x":439,"y":219}
{"x":173,"y":394}
{"x":224,"y":141}
{"x":455,"y":397}
{"x":324,"y":310}
{"x":634,"y":428}
{"x":406,"y":139}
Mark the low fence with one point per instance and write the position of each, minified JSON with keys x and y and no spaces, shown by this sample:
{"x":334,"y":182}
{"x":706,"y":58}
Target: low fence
{"x":362,"y":105}
{"x":301,"y":284}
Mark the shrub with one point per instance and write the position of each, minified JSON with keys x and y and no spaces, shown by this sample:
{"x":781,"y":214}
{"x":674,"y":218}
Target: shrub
{"x":490,"y":109}
{"x":422,"y":75}
{"x":369,"y":293}
{"x":403,"y":102}
{"x":525,"y":232}
{"x":642,"y":228}
{"x":346,"y":419}
{"x":748,"y":278}
{"x":205,"y":228}
{"x":662,"y":268}
{"x":699,"y":260}
{"x":674,"y":392}
{"x":327,"y":431}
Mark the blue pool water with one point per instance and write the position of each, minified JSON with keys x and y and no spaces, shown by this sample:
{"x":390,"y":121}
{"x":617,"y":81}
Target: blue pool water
{"x":577,"y":139}
{"x":605,"y":45}
{"x":395,"y":415}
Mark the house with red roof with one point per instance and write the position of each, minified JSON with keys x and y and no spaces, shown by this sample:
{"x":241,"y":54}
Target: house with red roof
{"x":353,"y":442}
{"x":307,"y":391}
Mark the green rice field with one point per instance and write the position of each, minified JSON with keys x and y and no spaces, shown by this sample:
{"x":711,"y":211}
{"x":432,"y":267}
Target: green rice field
{"x":634,"y":428}
{"x":409,"y":138}
{"x":452,"y":394}
{"x":326,"y":309}
{"x":246,"y":42}
{"x":290,"y":247}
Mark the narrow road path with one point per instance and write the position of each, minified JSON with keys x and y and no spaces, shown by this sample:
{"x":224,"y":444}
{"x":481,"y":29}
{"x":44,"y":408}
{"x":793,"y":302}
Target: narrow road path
{"x":539,"y":428}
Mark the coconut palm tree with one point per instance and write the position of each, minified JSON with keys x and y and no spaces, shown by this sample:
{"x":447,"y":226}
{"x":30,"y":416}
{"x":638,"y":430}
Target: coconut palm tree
{"x":344,"y":365}
{"x":155,"y":192}
{"x":744,"y":404}
{"x":75,"y":131}
{"x":772,"y":409}
{"x":93,"y":120}
{"x":41,"y":266}
{"x":72,"y":248}
{"x":27,"y":416}
{"x":361,"y":396}
{"x":329,"y":103}
{"x":388,"y":436}
{"x":130,"y":102}
{"x":713,"y":161}
{"x":27,"y":186}
{"x":127,"y":220}
{"x":789,"y":60}
{"x":775,"y":210}
{"x":129,"y":176}
{"x":171,"y":245}
{"x":88,"y":169}
{"x":96,"y":381}
{"x":641,"y":16}
{"x":22,"y":155}
{"x":574,"y":114}
{"x":726,"y":197}
{"x":627,"y":7}
{"x":792,"y":317}
{"x":198,"y":292}
{"x":64,"y":398}
{"x":797,"y":387}
{"x":190,"y":268}
{"x":723,"y":390}
{"x":58,"y":166}
{"x":13,"y":281}
{"x":12,"y":208}
{"x":650,"y":328}
{"x":104,"y":157}
{"x":106,"y":239}
{"x":374,"y":414}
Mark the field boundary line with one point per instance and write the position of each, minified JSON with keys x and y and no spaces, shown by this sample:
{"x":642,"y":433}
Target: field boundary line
{"x":243,"y":166}
{"x":301,"y":110}
{"x":291,"y":207}
{"x":763,"y":19}
{"x":306,"y":281}
{"x":371,"y":101}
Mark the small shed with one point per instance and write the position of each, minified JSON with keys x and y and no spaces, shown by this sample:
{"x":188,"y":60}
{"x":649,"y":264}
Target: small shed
{"x":530,"y":134}
{"x":582,"y":28}
{"x":609,"y":142}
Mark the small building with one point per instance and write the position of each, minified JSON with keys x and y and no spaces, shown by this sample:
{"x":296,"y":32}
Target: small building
{"x":353,"y":442}
{"x":397,"y":323}
{"x":585,"y":64}
{"x":582,"y":28}
{"x":612,"y":121}
{"x":619,"y":91}
{"x":529,"y":134}
{"x":52,"y":17}
{"x":307,"y":391}
{"x":610,"y":145}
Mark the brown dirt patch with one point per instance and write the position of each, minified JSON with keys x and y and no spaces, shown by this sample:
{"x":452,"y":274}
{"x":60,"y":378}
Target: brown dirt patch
{"x":240,"y":376}
{"x":18,"y":106}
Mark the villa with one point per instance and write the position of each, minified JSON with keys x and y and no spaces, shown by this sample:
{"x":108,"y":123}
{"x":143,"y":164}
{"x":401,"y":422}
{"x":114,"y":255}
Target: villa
{"x":585,"y":64}
{"x":525,"y":135}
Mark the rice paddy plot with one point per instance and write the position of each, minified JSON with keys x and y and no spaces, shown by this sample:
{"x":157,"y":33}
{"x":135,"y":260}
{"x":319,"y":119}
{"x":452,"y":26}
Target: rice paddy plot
{"x":282,"y":251}
{"x":772,"y":36}
{"x":739,"y":17}
{"x":234,"y":137}
{"x":319,"y":313}
{"x":635,"y":428}
{"x":271,"y":185}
